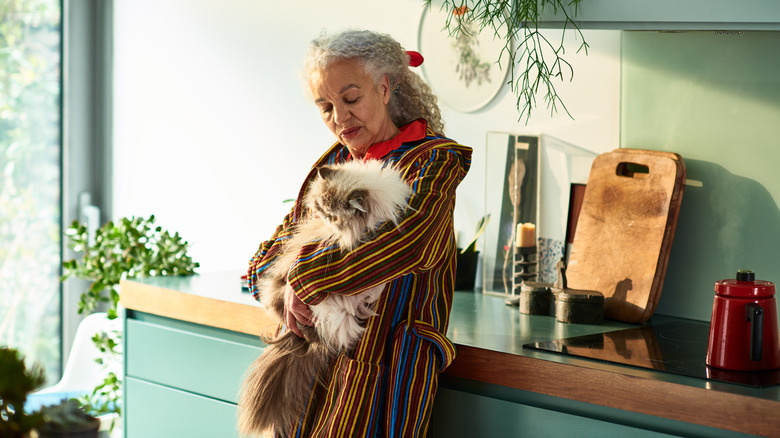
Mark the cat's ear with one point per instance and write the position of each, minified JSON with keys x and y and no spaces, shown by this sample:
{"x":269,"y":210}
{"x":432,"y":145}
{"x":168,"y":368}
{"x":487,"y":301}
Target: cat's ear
{"x":325,"y":172}
{"x":357,"y":203}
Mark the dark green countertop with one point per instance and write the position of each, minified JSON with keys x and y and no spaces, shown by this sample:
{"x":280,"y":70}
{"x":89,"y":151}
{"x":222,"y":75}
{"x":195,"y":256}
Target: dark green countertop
{"x":485,"y":321}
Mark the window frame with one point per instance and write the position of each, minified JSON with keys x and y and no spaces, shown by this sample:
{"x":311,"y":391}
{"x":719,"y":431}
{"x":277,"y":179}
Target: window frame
{"x":86,"y":118}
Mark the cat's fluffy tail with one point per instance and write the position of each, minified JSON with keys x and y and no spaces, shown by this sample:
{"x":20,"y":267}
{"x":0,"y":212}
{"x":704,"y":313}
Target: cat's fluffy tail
{"x":278,"y":386}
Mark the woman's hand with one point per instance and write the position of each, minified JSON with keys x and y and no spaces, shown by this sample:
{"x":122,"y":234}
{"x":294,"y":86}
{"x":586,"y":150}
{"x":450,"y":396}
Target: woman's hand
{"x":296,"y":312}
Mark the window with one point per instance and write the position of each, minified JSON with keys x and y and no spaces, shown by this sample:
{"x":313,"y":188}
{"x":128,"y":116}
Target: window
{"x":30,"y":180}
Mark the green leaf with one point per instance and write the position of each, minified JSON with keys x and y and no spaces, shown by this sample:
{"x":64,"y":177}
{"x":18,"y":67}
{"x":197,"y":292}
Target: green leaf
{"x":127,"y":248}
{"x":539,"y":61}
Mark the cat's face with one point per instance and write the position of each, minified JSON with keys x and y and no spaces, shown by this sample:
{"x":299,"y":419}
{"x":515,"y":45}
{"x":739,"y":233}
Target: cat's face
{"x":338,"y":203}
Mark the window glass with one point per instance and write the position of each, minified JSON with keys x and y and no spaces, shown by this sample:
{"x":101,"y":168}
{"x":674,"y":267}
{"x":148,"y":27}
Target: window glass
{"x":30,"y":180}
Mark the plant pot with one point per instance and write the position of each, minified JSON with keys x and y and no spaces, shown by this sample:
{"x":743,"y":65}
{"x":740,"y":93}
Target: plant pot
{"x":466,"y":272}
{"x":89,"y":430}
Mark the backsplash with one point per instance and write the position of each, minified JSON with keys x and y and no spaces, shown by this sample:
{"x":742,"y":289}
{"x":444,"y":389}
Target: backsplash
{"x":714,"y":98}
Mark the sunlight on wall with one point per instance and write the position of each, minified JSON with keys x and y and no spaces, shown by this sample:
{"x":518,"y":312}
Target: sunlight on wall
{"x":212,"y":130}
{"x":714,"y":98}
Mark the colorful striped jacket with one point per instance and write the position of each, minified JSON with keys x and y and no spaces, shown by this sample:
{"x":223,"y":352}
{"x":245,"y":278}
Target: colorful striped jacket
{"x":385,"y":387}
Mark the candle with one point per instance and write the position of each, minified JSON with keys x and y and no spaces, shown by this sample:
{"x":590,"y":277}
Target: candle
{"x":526,"y":235}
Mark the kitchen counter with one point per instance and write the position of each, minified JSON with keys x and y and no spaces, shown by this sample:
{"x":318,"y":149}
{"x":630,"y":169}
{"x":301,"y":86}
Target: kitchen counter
{"x":491,"y":358}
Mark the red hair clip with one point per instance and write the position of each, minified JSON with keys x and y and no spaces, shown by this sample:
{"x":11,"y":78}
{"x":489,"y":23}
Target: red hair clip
{"x":415,"y":59}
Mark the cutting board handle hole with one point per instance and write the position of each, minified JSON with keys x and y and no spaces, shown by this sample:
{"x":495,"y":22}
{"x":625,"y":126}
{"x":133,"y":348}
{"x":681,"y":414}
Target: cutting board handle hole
{"x":632,"y":170}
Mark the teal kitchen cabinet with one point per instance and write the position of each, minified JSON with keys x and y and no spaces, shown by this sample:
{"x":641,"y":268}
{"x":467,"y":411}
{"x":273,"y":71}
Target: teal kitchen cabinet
{"x":189,"y":341}
{"x":182,"y":379}
{"x":464,"y":414}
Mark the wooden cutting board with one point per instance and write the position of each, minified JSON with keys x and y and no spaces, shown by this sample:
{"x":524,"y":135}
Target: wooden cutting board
{"x":625,"y":230}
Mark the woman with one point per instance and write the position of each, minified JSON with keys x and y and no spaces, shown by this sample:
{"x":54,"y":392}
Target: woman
{"x":379,"y":109}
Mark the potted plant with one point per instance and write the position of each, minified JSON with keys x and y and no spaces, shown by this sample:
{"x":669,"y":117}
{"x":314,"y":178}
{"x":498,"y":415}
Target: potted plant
{"x":132,"y":247}
{"x":16,"y":383}
{"x":68,"y":419}
{"x":468,"y":258}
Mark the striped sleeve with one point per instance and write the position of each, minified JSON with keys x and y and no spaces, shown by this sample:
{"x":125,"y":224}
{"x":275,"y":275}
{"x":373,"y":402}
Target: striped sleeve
{"x":268,"y":249}
{"x":415,"y":245}
{"x":267,"y":252}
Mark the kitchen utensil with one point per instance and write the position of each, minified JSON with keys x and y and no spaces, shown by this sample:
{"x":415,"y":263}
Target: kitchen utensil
{"x":744,"y":333}
{"x":625,"y":230}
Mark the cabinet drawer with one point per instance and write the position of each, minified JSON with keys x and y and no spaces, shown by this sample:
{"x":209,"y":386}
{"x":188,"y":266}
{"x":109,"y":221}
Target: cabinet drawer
{"x":202,"y":363}
{"x":156,"y":411}
{"x":457,"y":413}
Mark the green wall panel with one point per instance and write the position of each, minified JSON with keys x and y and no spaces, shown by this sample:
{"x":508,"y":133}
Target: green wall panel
{"x":714,"y":98}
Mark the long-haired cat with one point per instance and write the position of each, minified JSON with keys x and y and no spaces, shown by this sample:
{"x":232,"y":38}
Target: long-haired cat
{"x":347,"y":202}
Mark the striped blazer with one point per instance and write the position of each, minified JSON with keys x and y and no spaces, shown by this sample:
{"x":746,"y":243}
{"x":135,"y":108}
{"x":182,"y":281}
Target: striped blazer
{"x":385,"y":387}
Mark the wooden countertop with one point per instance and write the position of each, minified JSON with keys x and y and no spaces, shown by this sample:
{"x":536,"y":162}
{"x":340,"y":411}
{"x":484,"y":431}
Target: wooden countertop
{"x":489,"y":337}
{"x":213,"y":299}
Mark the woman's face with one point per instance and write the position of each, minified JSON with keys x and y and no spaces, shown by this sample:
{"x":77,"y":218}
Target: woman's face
{"x":352,"y":106}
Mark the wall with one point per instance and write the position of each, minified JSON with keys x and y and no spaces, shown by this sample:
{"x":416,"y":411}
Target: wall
{"x":212,"y":130}
{"x":714,"y":98}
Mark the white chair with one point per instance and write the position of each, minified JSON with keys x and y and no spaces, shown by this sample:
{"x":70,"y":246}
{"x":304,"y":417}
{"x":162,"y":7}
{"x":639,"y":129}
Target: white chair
{"x":81,"y":374}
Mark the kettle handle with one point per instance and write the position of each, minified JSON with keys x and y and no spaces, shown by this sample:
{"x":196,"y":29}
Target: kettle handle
{"x":755,"y":314}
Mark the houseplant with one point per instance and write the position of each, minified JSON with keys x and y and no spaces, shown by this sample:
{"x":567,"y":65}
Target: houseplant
{"x":67,"y":419}
{"x":468,"y":258}
{"x":132,"y":247}
{"x":17,"y":381}
{"x":534,"y":61}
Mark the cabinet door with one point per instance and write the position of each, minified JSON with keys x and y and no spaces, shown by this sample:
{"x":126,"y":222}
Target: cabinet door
{"x":195,"y":360}
{"x":156,"y":411}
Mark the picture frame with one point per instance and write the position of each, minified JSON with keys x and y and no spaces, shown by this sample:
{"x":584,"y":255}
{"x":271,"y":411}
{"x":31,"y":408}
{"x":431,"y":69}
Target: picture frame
{"x":511,"y":198}
{"x":555,"y":170}
{"x":463,"y":70}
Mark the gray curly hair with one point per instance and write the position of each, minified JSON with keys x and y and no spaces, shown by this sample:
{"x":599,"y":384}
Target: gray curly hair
{"x":380,"y":55}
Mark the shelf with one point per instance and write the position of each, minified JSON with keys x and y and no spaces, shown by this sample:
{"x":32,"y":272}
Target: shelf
{"x":669,"y":15}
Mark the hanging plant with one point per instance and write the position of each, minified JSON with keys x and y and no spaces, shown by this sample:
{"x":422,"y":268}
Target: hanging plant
{"x":540,"y":60}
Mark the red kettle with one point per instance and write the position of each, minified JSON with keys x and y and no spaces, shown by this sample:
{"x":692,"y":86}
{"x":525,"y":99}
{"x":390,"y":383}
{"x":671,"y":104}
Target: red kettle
{"x":744,"y":333}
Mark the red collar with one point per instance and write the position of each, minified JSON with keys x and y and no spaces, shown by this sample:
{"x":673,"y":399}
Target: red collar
{"x":413,"y":131}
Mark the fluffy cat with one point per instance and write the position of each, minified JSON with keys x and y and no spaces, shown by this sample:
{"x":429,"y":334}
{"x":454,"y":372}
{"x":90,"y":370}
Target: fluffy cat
{"x":347,"y":202}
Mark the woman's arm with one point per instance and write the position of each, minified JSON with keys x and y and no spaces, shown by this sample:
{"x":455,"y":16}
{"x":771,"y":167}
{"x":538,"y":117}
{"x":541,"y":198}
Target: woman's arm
{"x":267,"y":252}
{"x":417,"y":244}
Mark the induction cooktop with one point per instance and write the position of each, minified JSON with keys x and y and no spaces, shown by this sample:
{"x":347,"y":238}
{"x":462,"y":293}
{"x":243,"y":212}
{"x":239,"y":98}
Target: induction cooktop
{"x":677,"y":347}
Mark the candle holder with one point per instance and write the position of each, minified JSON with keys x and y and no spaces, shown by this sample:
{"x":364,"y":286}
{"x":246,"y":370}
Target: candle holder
{"x":525,"y":267}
